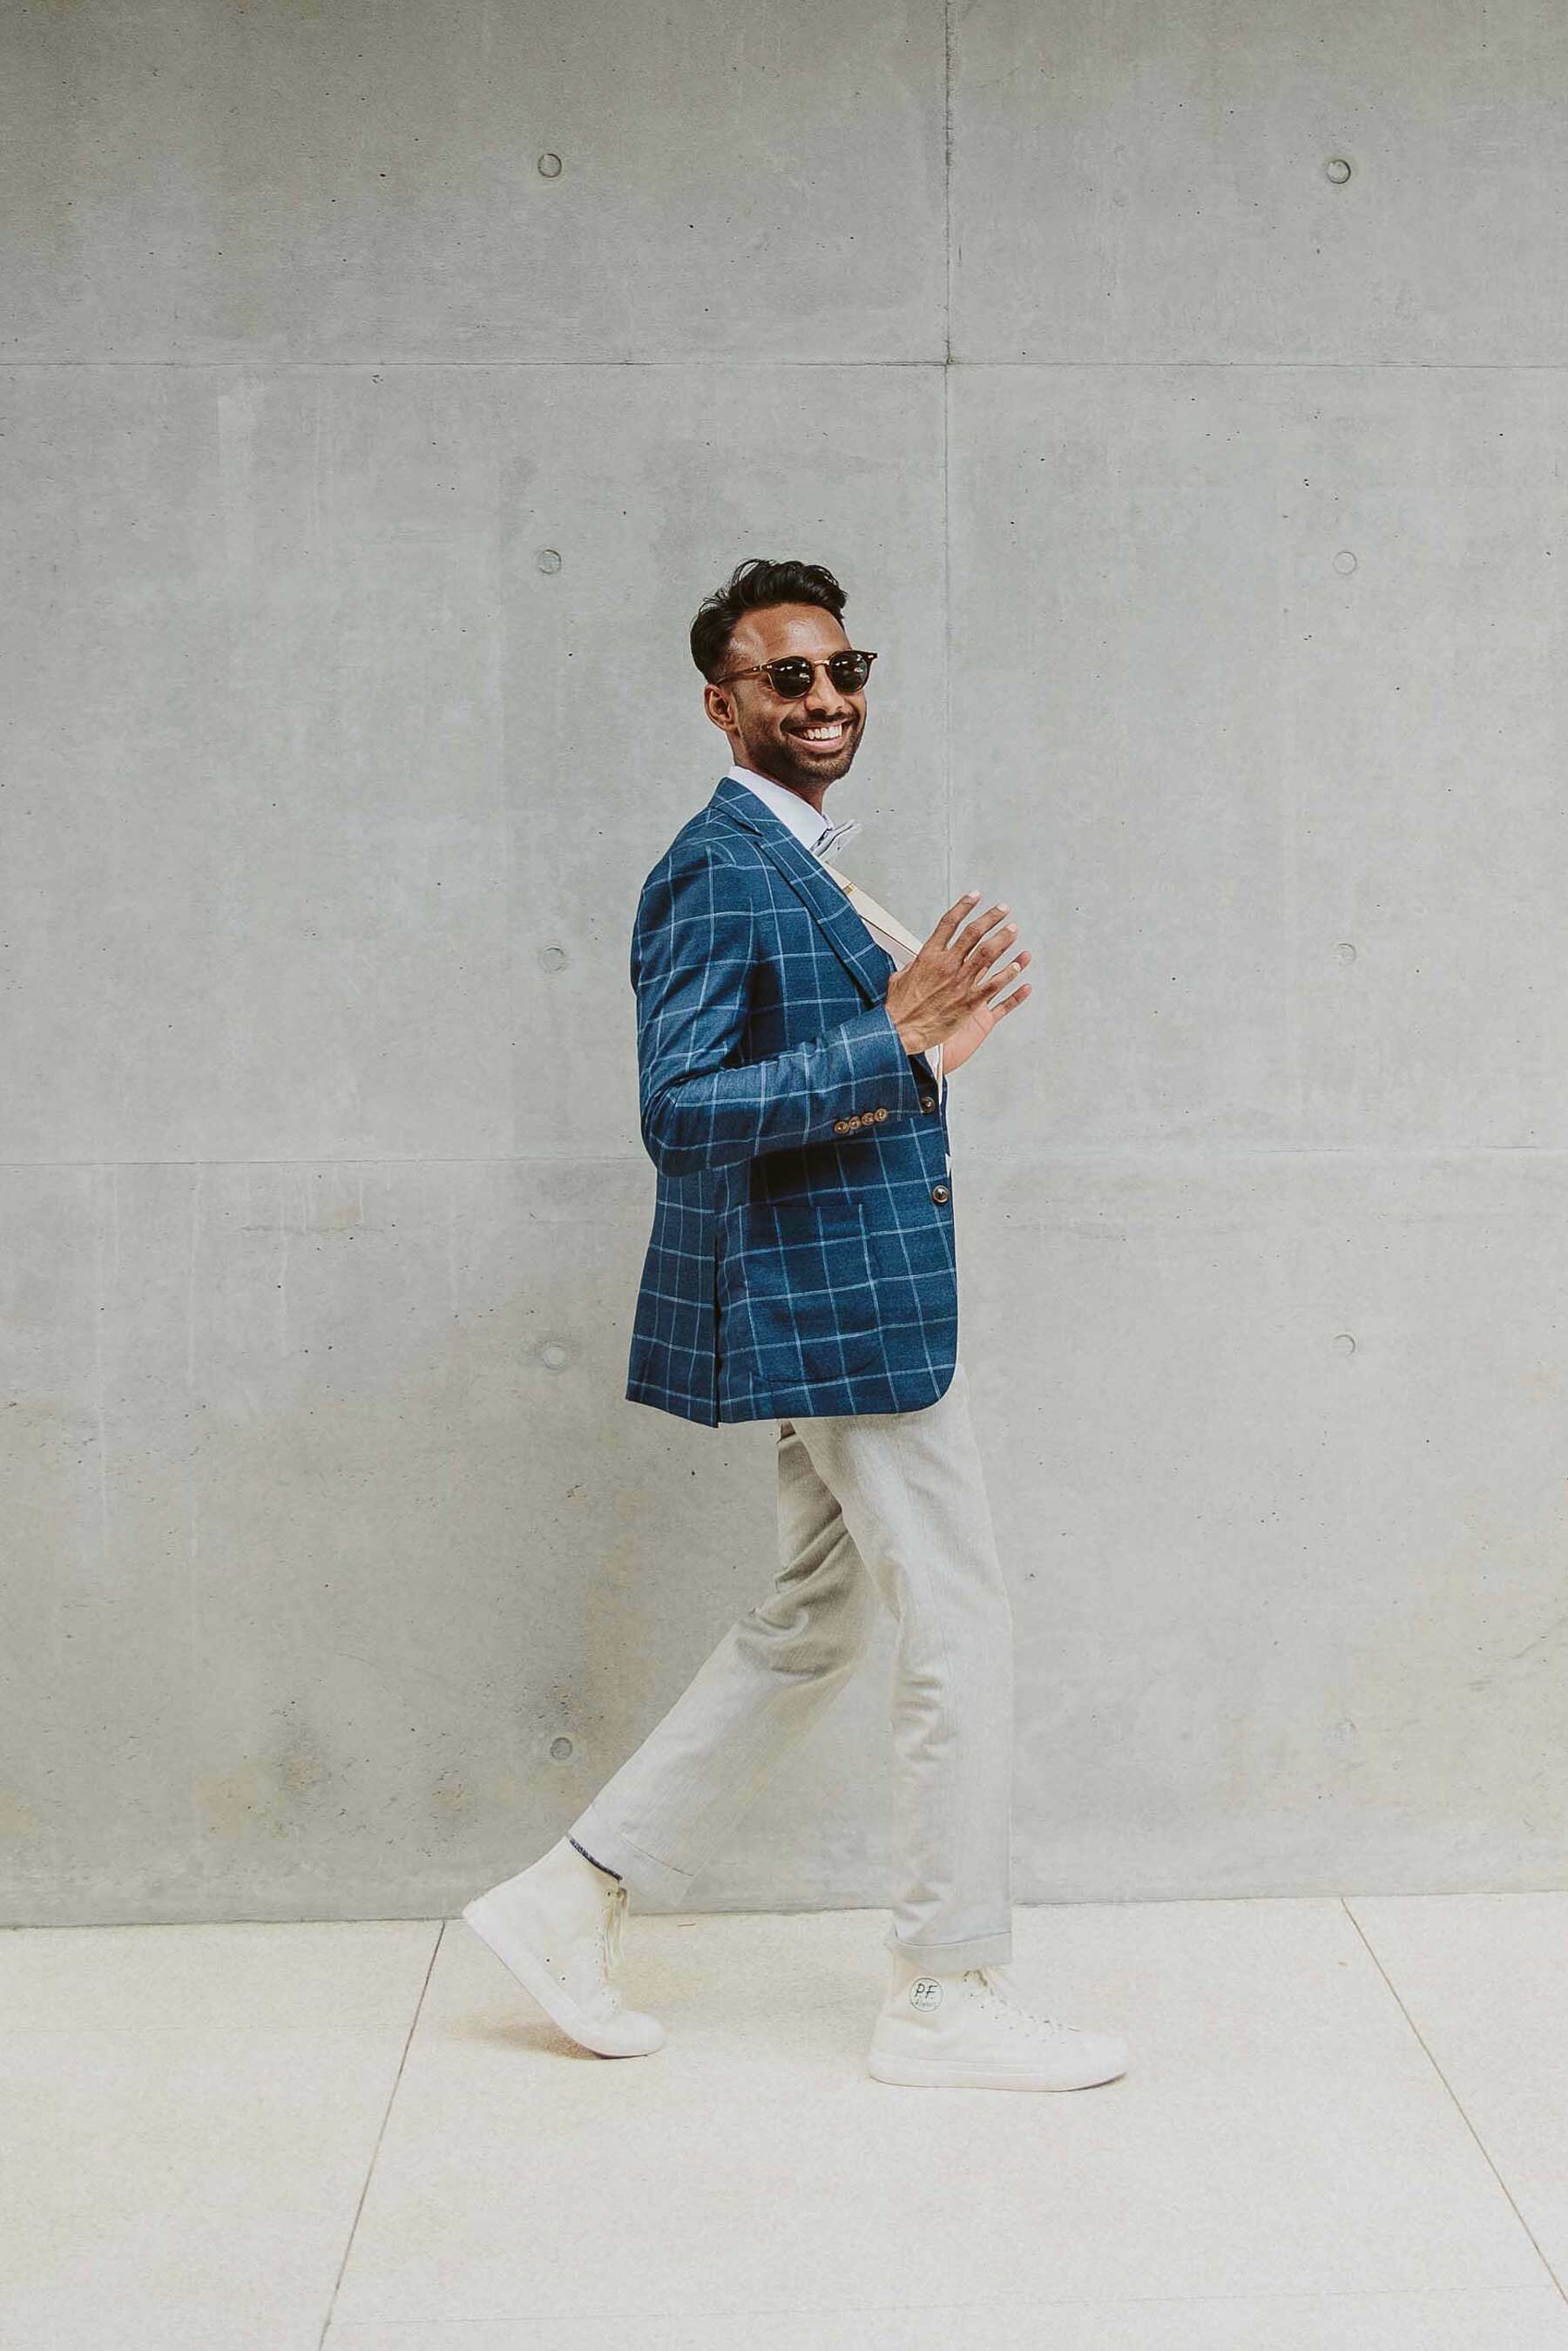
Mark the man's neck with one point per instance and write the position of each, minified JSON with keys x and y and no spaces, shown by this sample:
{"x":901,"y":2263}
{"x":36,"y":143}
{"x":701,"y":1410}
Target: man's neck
{"x":742,"y":768}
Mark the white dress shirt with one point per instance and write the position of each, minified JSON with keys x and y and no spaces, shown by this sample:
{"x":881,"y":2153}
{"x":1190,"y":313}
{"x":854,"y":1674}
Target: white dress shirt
{"x":800,"y":817}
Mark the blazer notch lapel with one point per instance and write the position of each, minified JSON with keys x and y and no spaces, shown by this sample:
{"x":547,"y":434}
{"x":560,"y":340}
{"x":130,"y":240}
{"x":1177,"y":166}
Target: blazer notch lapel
{"x":866,"y":962}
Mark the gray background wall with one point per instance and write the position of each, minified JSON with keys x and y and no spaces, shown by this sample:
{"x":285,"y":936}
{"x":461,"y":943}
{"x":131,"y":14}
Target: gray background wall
{"x":1209,"y":518}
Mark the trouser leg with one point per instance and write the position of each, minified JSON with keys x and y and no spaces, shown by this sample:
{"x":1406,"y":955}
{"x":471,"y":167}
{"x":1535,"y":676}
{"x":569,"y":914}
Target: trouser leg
{"x":913,"y":1493}
{"x":778,"y":1669}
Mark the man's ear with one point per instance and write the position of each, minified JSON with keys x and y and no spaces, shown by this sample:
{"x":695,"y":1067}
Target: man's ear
{"x":717,"y":704}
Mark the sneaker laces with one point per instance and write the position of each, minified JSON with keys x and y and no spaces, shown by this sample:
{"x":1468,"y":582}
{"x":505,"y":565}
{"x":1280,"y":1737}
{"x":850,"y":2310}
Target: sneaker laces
{"x":1005,"y":1996}
{"x":611,"y":1941}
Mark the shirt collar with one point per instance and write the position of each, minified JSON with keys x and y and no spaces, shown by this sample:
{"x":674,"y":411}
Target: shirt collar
{"x":802,"y":818}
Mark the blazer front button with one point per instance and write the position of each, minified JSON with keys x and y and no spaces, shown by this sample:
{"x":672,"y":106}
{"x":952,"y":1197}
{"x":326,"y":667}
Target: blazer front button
{"x":927,"y":1102}
{"x":939,"y":1192}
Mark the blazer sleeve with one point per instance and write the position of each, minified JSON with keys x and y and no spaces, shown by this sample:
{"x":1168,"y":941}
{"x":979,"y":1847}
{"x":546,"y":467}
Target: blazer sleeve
{"x":693,"y":952}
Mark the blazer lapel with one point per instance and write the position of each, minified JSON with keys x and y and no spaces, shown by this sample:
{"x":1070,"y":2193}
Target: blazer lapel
{"x":878,"y":918}
{"x":867,"y":963}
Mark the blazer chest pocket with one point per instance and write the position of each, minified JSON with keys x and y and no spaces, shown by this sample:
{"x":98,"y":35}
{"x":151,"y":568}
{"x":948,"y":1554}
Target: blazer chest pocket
{"x":813,"y":1288}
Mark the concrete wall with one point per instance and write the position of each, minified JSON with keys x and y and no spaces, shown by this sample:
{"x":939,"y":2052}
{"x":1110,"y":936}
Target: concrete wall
{"x":1207,"y":509}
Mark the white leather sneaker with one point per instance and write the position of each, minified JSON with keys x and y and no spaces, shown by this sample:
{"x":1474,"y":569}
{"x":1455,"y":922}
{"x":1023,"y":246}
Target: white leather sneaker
{"x":975,"y":2031}
{"x":559,"y":1926}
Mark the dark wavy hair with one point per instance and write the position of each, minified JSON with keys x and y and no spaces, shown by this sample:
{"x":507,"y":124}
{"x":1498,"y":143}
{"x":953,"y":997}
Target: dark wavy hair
{"x":750,"y":586}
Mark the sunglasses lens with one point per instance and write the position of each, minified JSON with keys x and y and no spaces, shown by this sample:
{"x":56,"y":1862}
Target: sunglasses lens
{"x":792,"y":677}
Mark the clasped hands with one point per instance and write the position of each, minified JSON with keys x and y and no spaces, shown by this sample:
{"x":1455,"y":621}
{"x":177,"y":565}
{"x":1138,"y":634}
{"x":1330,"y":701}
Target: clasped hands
{"x":948,"y":994}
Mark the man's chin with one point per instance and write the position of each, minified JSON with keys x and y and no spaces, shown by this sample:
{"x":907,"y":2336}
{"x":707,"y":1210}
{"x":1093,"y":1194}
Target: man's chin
{"x":822,"y":766}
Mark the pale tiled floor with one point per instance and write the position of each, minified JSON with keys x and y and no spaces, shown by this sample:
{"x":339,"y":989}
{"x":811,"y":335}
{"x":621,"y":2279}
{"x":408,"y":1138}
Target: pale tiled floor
{"x":1345,"y":2128}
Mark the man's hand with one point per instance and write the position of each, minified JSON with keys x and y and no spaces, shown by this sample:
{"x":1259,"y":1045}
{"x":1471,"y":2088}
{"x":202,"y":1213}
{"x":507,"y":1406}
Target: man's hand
{"x":957,"y":1048}
{"x":948,"y":995}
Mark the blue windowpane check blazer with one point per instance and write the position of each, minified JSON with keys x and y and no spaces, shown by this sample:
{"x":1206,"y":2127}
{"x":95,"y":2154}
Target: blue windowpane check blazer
{"x":802,"y":1257}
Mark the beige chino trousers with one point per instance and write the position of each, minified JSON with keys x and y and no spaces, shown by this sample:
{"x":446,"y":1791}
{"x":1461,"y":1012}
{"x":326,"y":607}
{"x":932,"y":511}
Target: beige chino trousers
{"x":872,"y":1507}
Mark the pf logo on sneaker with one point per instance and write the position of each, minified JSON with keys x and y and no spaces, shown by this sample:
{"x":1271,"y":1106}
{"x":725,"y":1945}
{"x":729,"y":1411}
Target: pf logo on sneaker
{"x":924,"y":1992}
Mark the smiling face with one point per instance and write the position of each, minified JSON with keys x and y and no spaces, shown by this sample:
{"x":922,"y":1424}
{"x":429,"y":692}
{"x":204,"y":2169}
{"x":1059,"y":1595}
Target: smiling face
{"x":804,"y":745}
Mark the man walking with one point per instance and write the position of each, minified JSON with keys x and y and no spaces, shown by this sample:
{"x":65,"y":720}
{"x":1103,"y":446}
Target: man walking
{"x":794,"y":1047}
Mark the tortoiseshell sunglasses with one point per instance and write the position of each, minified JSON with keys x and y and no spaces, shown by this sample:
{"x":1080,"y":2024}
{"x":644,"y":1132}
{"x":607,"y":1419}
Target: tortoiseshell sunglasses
{"x":791,"y":676}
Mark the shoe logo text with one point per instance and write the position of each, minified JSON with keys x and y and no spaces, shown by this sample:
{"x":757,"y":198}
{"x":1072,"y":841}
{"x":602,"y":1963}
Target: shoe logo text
{"x":924,"y":1992}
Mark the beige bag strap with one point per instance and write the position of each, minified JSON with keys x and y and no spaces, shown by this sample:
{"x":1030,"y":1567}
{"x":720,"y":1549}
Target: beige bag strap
{"x":877,"y":918}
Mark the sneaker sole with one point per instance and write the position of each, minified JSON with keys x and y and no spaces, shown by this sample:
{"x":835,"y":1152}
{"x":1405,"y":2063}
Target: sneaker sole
{"x":540,"y":1985}
{"x":931,"y":2073}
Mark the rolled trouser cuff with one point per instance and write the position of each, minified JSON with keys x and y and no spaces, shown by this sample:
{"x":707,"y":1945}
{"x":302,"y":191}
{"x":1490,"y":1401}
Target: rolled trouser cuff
{"x":647,"y":1878}
{"x":993,"y":1950}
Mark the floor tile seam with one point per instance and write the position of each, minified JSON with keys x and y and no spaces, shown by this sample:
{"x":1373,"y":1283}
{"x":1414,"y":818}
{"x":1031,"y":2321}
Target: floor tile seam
{"x":440,"y":1925}
{"x":710,"y":2316}
{"x":1552,"y":2277}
